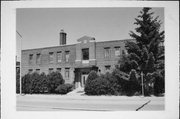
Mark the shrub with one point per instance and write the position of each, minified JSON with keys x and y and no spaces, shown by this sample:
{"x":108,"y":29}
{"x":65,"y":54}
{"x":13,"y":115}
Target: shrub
{"x":122,"y":81}
{"x":101,"y":85}
{"x":92,"y":76}
{"x":132,"y":86}
{"x":34,"y":83}
{"x":54,"y":80}
{"x":64,"y":88}
{"x":43,"y":87}
{"x":26,"y":83}
{"x":159,"y":84}
{"x":113,"y":86}
{"x":154,"y":83}
{"x":98,"y":86}
{"x":18,"y":81}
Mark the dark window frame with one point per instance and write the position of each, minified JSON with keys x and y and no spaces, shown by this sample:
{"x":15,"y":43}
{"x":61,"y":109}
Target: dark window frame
{"x":51,"y":57}
{"x":84,"y":55}
{"x":38,"y":58}
{"x":67,"y":56}
{"x":30,"y":58}
{"x":107,"y":52}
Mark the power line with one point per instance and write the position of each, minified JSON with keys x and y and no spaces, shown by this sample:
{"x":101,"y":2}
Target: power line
{"x":19,"y":34}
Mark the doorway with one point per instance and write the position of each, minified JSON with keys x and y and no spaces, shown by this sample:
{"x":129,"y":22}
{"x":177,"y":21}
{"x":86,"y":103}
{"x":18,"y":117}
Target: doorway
{"x":83,"y":79}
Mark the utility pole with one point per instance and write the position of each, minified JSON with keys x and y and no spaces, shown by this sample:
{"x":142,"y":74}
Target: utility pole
{"x":142,"y":84}
{"x":20,"y":69}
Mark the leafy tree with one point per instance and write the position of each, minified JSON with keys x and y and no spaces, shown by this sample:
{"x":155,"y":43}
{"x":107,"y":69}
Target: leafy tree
{"x":43,"y":83}
{"x":26,"y":84}
{"x":54,"y":79}
{"x":146,"y":51}
{"x":17,"y":81}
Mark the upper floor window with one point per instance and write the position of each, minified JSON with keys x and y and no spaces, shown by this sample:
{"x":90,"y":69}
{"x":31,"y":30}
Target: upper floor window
{"x":67,"y":56}
{"x":117,"y":51}
{"x":107,"y":52}
{"x":67,"y":73}
{"x":59,"y":56}
{"x":51,"y":57}
{"x":38,"y":71}
{"x":38,"y":60}
{"x":30,"y":58}
{"x":85,"y":54}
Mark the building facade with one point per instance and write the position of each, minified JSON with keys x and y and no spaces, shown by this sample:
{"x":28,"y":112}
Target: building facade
{"x":74,"y":61}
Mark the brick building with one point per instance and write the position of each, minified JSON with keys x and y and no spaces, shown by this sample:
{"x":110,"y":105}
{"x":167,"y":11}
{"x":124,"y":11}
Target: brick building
{"x":74,"y":61}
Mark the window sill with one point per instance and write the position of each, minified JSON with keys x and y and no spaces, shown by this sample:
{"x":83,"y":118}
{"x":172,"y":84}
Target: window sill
{"x":85,"y":61}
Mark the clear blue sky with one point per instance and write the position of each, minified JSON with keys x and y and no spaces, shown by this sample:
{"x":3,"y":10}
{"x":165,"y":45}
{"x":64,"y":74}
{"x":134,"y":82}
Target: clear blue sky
{"x":40,"y":27}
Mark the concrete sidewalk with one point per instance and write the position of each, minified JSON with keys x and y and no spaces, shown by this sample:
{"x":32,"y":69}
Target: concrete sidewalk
{"x":88,"y":103}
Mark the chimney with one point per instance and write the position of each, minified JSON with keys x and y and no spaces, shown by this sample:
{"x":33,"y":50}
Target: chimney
{"x":62,"y":37}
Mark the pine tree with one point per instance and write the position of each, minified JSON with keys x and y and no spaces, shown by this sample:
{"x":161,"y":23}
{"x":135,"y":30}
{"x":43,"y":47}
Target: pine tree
{"x":146,"y":53}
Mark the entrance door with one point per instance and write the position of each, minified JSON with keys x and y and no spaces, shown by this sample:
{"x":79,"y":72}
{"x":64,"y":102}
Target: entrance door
{"x":83,"y":79}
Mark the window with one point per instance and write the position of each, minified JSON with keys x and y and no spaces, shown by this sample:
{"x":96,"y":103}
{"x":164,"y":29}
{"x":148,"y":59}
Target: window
{"x":85,"y":54}
{"x":38,"y":59}
{"x":50,"y":70}
{"x":38,"y":71}
{"x":107,"y":52}
{"x":108,"y":67}
{"x":67,"y":56}
{"x":51,"y":57}
{"x":30,"y":58}
{"x":124,"y":52}
{"x":59,"y":70}
{"x":30,"y":71}
{"x":117,"y":51}
{"x":59,"y":56}
{"x":67,"y":73}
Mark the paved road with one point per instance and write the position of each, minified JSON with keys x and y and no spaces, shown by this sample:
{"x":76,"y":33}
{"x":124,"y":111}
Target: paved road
{"x":88,"y":103}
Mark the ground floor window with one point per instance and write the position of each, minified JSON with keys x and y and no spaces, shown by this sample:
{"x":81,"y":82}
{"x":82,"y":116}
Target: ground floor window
{"x":38,"y":71}
{"x":30,"y":71}
{"x":50,"y":70}
{"x":59,"y":70}
{"x":67,"y":73}
{"x":107,"y":68}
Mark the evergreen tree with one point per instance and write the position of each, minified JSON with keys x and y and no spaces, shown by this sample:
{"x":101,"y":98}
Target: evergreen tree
{"x":146,"y":52}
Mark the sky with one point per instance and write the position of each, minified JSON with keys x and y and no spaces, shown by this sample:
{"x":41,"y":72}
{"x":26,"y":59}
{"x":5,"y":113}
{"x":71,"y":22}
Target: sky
{"x":40,"y":27}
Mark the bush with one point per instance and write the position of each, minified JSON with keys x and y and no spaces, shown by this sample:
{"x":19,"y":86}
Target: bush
{"x":154,"y":84}
{"x":98,"y":86}
{"x":64,"y":88}
{"x":18,"y":81}
{"x":101,"y":85}
{"x":92,"y":76}
{"x":113,"y":86}
{"x":43,"y":87}
{"x":122,"y":81}
{"x":34,"y":83}
{"x":54,"y":80}
{"x":132,"y":86}
{"x":159,"y":84}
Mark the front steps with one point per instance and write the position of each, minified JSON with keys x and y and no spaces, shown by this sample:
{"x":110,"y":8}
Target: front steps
{"x":76,"y":92}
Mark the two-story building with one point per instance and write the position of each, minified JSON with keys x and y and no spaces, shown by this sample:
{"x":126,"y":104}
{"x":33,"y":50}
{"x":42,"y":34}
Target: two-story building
{"x":74,"y":61}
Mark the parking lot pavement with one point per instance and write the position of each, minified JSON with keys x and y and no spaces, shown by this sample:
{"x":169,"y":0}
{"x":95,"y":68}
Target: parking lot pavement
{"x":88,"y":103}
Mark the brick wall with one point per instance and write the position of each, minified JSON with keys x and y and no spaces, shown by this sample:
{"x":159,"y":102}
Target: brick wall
{"x":96,"y":57}
{"x":44,"y":63}
{"x":100,"y":54}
